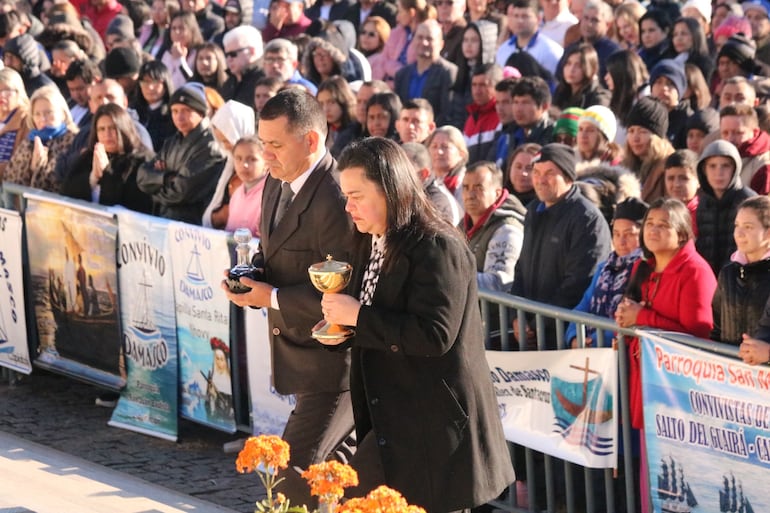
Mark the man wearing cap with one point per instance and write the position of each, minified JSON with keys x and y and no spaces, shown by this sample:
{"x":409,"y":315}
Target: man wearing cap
{"x":737,"y":58}
{"x":243,"y":49}
{"x":233,"y":17}
{"x":565,"y":237}
{"x":182,"y":177}
{"x":286,"y":18}
{"x":21,"y":54}
{"x":122,"y":64}
{"x":493,"y":224}
{"x":303,"y":221}
{"x":668,"y":84}
{"x":756,"y":11}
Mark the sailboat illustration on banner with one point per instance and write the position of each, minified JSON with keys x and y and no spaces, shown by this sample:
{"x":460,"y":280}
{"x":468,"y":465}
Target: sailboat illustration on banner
{"x":579,"y":407}
{"x":144,"y":343}
{"x":731,"y":498}
{"x":194,"y":269}
{"x":674,"y":492}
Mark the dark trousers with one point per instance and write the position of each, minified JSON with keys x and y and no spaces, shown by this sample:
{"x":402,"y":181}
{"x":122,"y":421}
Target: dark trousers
{"x":319,"y":423}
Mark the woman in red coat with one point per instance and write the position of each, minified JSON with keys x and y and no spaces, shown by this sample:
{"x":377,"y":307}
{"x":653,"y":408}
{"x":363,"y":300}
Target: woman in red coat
{"x":670,"y":290}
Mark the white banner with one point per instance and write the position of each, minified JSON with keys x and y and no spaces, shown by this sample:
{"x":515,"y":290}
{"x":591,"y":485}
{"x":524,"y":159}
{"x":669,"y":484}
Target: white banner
{"x":14,"y":351}
{"x":562,"y":403}
{"x":198,"y":256}
{"x":149,"y":402}
{"x":269,"y":409}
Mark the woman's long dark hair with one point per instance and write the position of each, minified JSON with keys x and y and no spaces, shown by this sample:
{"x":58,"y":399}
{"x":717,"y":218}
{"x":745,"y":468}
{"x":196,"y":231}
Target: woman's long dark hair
{"x":410,"y":216}
{"x":629,"y":74}
{"x":220,"y":76}
{"x":390,"y":102}
{"x":153,"y":70}
{"x":128,"y":138}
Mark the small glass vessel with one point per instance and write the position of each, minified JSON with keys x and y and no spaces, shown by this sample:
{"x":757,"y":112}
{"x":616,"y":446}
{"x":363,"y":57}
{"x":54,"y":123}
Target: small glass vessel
{"x":244,"y":266}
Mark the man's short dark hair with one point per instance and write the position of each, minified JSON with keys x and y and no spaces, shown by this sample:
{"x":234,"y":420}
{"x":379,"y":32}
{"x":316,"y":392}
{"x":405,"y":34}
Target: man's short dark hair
{"x":506,"y":85}
{"x":535,"y":87}
{"x":420,"y":104}
{"x":84,"y":69}
{"x":495,"y":173}
{"x":300,"y":108}
{"x":524,"y":4}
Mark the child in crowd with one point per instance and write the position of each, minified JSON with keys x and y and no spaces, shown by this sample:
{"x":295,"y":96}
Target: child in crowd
{"x":246,"y":202}
{"x":681,"y":175}
{"x":698,"y":126}
{"x":721,"y":191}
{"x":744,"y":283}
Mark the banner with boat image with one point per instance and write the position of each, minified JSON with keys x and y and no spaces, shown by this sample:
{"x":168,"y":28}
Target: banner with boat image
{"x":14,"y":350}
{"x":565,"y":405}
{"x":707,"y":429}
{"x":73,"y":282}
{"x":148,"y":404}
{"x":198,"y":257}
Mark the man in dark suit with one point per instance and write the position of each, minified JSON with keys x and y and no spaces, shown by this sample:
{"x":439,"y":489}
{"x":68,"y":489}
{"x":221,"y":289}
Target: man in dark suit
{"x":430,"y":77}
{"x":299,"y":228}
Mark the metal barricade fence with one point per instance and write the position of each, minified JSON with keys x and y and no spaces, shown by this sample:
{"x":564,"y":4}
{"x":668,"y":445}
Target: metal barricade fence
{"x":561,"y":481}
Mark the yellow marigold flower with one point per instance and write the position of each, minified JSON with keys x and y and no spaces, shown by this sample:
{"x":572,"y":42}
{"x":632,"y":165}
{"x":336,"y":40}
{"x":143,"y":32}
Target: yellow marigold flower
{"x":328,"y":479}
{"x":268,"y":451}
{"x":280,"y":498}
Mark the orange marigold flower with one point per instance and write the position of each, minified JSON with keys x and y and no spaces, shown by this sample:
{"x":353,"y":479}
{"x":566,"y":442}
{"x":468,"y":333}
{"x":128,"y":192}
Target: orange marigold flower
{"x":387,"y":500}
{"x":268,"y":451}
{"x":356,"y":505}
{"x":328,"y":479}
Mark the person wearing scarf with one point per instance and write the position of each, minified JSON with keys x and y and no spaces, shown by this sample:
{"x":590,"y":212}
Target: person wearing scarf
{"x":493,"y":225}
{"x":52,"y":131}
{"x":611,"y":279}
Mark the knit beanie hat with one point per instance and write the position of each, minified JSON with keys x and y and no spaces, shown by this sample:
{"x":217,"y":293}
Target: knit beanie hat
{"x":632,"y":209}
{"x":121,"y":62}
{"x":673,"y":71}
{"x":741,"y":50}
{"x":702,"y":6}
{"x":650,"y":114}
{"x":706,"y":120}
{"x":25,"y":48}
{"x":603,"y":118}
{"x":121,"y":25}
{"x":568,"y":121}
{"x":562,"y":156}
{"x":193,"y":95}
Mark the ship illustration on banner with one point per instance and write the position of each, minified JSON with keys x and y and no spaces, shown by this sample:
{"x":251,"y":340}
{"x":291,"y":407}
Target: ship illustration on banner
{"x":144,"y":342}
{"x":731,"y":498}
{"x":580,"y":407}
{"x":194,"y":269}
{"x":673,"y":491}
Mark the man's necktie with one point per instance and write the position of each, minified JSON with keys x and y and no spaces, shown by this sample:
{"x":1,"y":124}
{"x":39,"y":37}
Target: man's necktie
{"x":283,"y":203}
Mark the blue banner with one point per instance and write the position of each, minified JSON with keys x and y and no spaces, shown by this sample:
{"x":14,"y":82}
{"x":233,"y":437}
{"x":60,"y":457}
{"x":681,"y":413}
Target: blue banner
{"x":199,"y":257}
{"x":707,"y":428}
{"x":149,"y":402}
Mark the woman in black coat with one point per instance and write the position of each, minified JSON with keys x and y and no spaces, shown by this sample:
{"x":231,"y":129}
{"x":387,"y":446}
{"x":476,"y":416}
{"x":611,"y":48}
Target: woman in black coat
{"x":106,"y":172}
{"x":423,"y":402}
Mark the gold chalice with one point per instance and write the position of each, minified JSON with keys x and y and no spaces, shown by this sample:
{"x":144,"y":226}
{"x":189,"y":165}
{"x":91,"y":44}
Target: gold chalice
{"x":330,"y":277}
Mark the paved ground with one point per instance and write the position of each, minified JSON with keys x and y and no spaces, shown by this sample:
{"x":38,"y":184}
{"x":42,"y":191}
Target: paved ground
{"x":59,"y":413}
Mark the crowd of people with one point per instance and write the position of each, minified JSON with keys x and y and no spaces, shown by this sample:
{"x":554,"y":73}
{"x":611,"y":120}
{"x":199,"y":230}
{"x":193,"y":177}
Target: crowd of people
{"x":603,"y":155}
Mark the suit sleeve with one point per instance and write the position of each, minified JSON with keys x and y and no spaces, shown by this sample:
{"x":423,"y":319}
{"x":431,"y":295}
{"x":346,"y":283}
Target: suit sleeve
{"x":428,"y":323}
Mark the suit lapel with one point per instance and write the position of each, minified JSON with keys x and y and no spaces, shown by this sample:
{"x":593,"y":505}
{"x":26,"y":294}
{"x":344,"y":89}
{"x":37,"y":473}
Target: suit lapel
{"x":270,"y":198}
{"x":290,"y":221}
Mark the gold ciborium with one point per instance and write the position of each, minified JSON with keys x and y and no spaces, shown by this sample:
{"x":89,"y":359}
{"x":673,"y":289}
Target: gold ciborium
{"x":330,"y":277}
